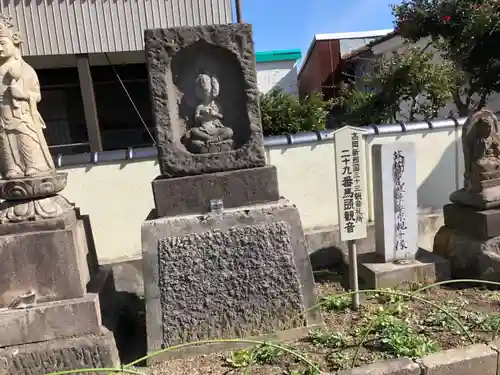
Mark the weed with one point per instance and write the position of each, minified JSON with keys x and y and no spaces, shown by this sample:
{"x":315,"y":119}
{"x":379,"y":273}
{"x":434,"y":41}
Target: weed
{"x":320,"y":337}
{"x":239,"y":358}
{"x":262,"y":354}
{"x":399,"y":339}
{"x":334,"y":303}
{"x":339,"y":360}
{"x":306,"y":371}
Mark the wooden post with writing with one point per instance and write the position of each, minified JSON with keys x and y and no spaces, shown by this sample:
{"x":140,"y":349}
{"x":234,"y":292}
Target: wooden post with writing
{"x":350,"y":166}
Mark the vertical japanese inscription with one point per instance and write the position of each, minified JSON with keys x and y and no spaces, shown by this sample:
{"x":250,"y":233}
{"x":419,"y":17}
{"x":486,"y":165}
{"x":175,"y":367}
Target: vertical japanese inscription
{"x":400,"y":227}
{"x":350,"y":175}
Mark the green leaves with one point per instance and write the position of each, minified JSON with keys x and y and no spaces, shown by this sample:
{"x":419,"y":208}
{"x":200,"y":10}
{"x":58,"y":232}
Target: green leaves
{"x":283,"y":113}
{"x":469,"y":31}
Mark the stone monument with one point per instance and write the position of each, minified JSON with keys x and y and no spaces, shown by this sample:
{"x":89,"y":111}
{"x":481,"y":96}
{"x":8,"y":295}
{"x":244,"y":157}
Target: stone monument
{"x":224,"y":256}
{"x":470,"y":238}
{"x":50,"y":316}
{"x":397,"y":258}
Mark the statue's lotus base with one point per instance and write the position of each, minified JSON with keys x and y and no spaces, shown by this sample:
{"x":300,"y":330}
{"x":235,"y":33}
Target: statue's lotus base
{"x":15,"y":211}
{"x":32,"y":187}
{"x":484,"y":200}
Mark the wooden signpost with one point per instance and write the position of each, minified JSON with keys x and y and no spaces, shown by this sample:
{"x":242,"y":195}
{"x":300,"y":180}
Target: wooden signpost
{"x":350,"y":168}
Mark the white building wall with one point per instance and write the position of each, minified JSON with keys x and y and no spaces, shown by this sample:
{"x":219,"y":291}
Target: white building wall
{"x":272,"y":74}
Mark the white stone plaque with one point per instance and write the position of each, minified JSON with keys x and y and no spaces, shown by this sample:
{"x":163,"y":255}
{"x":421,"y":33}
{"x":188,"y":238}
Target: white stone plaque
{"x":395,"y":201}
{"x":351,"y":182}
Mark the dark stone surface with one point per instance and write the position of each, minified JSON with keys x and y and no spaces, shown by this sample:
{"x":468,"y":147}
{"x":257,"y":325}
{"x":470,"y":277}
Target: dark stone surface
{"x":469,"y":256}
{"x":242,"y":273}
{"x":53,"y":264}
{"x":50,"y":321}
{"x":82,"y":352}
{"x":481,"y":224}
{"x":61,"y":222}
{"x":174,"y":58}
{"x":192,"y":194}
{"x":471,"y":221}
{"x":237,"y":283}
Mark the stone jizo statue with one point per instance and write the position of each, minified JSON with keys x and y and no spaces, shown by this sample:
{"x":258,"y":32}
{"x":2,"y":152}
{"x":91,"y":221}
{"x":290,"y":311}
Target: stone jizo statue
{"x":481,"y":146}
{"x":209,"y":134}
{"x":23,"y":149}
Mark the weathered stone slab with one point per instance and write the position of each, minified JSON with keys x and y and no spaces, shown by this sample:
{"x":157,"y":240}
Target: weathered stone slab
{"x":484,"y":200}
{"x":400,"y":366}
{"x":472,"y":359}
{"x":50,"y":321}
{"x":61,"y":222}
{"x":242,"y":273}
{"x":425,"y":268}
{"x":395,"y":201}
{"x":205,"y":99}
{"x":83,"y":352}
{"x":192,"y":194}
{"x":480,"y":224}
{"x":469,"y":257}
{"x":53,"y":264}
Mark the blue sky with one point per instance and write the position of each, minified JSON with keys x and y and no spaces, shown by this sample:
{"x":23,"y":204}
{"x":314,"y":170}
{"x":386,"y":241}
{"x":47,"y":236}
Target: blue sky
{"x":291,"y":24}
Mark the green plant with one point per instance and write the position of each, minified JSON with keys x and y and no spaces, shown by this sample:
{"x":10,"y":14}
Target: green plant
{"x":329,"y":339}
{"x":335,"y":303}
{"x":399,"y":339}
{"x":466,"y":32}
{"x":263,"y":354}
{"x":306,"y":371}
{"x":283,"y":113}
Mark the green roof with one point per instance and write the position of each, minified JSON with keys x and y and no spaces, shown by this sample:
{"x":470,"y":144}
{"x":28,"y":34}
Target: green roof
{"x":282,"y":55}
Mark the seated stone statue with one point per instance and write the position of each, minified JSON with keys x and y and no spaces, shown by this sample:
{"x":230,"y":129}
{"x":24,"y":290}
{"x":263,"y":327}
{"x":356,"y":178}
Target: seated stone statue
{"x":209,"y":135}
{"x":482,"y":149}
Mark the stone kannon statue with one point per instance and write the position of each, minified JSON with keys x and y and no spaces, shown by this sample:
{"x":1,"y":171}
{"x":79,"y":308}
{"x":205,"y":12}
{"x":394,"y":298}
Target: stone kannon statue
{"x":23,"y":148}
{"x":29,"y":182}
{"x":208,"y":135}
{"x":481,"y":148}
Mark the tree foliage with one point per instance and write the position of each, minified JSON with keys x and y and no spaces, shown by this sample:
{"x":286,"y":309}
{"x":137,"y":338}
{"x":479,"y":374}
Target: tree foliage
{"x":468,"y":34}
{"x":283,"y":113}
{"x":407,"y":86}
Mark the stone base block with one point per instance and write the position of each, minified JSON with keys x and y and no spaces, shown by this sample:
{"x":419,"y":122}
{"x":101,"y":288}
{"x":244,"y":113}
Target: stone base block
{"x":51,"y":320}
{"x":53,"y":264}
{"x":192,"y":194}
{"x":484,"y":200}
{"x":242,"y":273}
{"x":426,"y":268}
{"x":481,"y":224}
{"x":82,"y":352}
{"x":469,"y":257}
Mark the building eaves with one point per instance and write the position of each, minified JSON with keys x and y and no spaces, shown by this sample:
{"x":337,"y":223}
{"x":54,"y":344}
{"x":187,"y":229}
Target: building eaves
{"x":340,"y":36}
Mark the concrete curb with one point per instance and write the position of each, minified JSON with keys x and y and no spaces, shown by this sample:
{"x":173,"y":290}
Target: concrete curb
{"x":480,"y":359}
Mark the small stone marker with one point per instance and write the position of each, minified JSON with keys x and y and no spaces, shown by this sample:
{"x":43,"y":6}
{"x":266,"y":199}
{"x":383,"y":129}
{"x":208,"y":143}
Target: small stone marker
{"x":395,"y":201}
{"x":397,"y":258}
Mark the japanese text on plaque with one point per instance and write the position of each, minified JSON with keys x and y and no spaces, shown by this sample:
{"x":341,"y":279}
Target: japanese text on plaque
{"x":351,"y":183}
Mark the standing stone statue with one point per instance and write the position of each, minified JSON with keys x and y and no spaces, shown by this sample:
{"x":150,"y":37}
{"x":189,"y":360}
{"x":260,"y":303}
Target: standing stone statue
{"x":23,"y":148}
{"x":29,"y":182}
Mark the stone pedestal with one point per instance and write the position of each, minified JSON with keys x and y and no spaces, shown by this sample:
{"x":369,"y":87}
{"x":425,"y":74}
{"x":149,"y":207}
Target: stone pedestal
{"x":51,"y":287}
{"x":192,"y":194}
{"x":426,"y":268}
{"x":238,"y":274}
{"x":470,"y":239}
{"x":242,"y":271}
